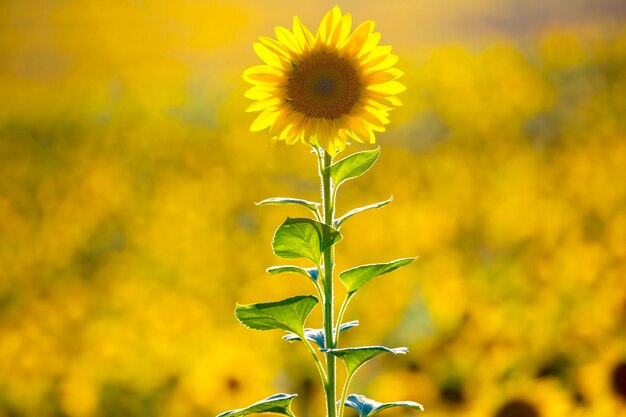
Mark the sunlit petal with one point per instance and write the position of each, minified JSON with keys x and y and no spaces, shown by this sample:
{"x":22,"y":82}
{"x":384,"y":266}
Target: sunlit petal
{"x":324,"y":89}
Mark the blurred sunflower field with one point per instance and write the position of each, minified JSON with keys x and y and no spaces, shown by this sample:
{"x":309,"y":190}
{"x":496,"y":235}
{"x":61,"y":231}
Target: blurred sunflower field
{"x":128,"y":229}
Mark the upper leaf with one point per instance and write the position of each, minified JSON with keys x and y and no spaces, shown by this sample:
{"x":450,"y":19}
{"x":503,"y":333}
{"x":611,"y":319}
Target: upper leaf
{"x":367,"y":407}
{"x":303,"y":238}
{"x":355,"y":278}
{"x":317,"y":335}
{"x":351,"y":213}
{"x":353,"y":166}
{"x":311,"y":205}
{"x":310,"y":273}
{"x":289,"y":314}
{"x":276,"y":404}
{"x":355,"y":357}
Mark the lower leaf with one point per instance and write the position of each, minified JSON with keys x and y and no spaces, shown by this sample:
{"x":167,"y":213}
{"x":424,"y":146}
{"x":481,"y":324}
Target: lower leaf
{"x":367,"y":407}
{"x":276,"y":404}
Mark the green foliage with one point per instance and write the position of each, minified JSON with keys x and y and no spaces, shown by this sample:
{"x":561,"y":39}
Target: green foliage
{"x":310,"y":273}
{"x":367,"y":407}
{"x":337,"y":223}
{"x":355,"y":278}
{"x":289,"y":314}
{"x":356,"y":357}
{"x":317,"y":335}
{"x":310,"y":239}
{"x":279,"y":201}
{"x":304,"y":238}
{"x":353,"y":166}
{"x":275,"y":404}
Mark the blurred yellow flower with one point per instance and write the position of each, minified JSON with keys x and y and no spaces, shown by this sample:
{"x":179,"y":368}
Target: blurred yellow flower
{"x":326,"y":88}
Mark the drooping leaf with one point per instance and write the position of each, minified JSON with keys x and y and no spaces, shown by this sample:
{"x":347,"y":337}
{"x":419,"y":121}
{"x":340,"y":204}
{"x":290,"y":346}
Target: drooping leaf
{"x":353,"y":166}
{"x":275,"y":404}
{"x":367,"y":407}
{"x":289,"y":314}
{"x":355,"y":357}
{"x":303,"y":238}
{"x":310,"y":273}
{"x":355,"y":278}
{"x":351,"y":213}
{"x":279,"y":201}
{"x":317,"y":335}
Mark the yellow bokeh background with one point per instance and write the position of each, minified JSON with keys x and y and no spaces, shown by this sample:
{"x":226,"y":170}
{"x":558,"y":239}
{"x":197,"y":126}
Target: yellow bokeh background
{"x":128,"y":229}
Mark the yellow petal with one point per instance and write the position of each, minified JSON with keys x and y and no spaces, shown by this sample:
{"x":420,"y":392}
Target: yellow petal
{"x":380,"y":114}
{"x":268,"y":56}
{"x":293,"y":130}
{"x":379,"y":77}
{"x":259,"y":92}
{"x":282,"y":121}
{"x":374,"y":119}
{"x":326,"y":130}
{"x":391,"y":87}
{"x":326,"y":26}
{"x":291,"y":137}
{"x":272,"y":76}
{"x":276,"y":47}
{"x":378,"y":105}
{"x":263,"y":104}
{"x":310,"y":131}
{"x":286,"y":38}
{"x":281,"y":50}
{"x":380,"y":63}
{"x":341,"y":31}
{"x":357,"y":128}
{"x":357,"y":39}
{"x":340,"y":141}
{"x":264,"y":120}
{"x":262,"y":69}
{"x":375,"y":56}
{"x":298,"y":123}
{"x":382,"y":98}
{"x":302,"y":34}
{"x":369,"y":44}
{"x":296,"y":129}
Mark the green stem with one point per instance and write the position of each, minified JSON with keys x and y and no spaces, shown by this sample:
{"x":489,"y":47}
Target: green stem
{"x":328,"y":204}
{"x":320,"y":292}
{"x":344,"y":394}
{"x":342,"y":311}
{"x":318,"y":363}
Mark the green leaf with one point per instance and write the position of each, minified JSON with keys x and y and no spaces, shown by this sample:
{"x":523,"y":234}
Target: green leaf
{"x":353,"y":166}
{"x":355,"y":278}
{"x":351,"y":213}
{"x":367,"y":407}
{"x":279,"y":201}
{"x":276,"y":404}
{"x":310,"y":273}
{"x":354,"y":358}
{"x":317,"y":335}
{"x":303,"y":238}
{"x":289,"y":314}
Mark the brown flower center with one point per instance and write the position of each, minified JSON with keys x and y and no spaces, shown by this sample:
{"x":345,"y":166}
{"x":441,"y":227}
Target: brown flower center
{"x":324,"y":85}
{"x":517,"y":408}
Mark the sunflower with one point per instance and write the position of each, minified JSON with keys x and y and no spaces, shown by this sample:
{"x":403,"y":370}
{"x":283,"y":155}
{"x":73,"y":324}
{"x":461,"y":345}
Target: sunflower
{"x":326,"y":88}
{"x":524,"y":396}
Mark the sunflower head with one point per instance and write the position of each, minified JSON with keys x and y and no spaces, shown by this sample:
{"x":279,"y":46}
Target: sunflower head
{"x":517,"y":408}
{"x":325,"y":88}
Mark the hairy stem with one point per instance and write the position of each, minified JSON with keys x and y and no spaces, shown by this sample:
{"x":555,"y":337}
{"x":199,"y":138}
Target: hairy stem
{"x":328,"y":205}
{"x":342,"y":311}
{"x":344,"y":394}
{"x":318,"y":363}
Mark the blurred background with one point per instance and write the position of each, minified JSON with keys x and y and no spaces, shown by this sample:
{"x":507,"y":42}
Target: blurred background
{"x":128,"y":229}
